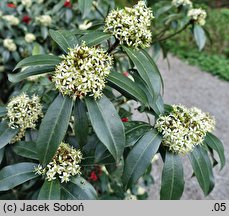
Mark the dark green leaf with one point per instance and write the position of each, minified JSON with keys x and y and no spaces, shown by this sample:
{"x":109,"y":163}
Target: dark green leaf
{"x":94,"y":38}
{"x":2,"y":150}
{"x":202,"y":168}
{"x":53,"y":128}
{"x":16,"y":174}
{"x":214,"y":143}
{"x":65,"y":39}
{"x":3,"y":111}
{"x":199,"y":36}
{"x":172,"y":185}
{"x":6,"y":134}
{"x":149,"y":72}
{"x":39,"y":60}
{"x":127,"y":86}
{"x":30,"y":71}
{"x":134,"y":131}
{"x":26,"y":149}
{"x":78,"y":189}
{"x":50,"y":190}
{"x":107,"y":125}
{"x":140,"y":157}
{"x":85,"y":7}
{"x":80,"y":122}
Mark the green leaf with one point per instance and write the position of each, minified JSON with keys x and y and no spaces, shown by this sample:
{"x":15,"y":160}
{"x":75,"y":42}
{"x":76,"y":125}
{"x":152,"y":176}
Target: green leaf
{"x":50,"y":190}
{"x":81,"y":122}
{"x":6,"y":134}
{"x":140,"y":157}
{"x":53,"y":128}
{"x":3,"y":111}
{"x":85,"y":7}
{"x":199,"y":36}
{"x":94,"y":38}
{"x":65,"y":39}
{"x":172,"y":185}
{"x":16,"y":174}
{"x":78,"y":189}
{"x":30,"y":71}
{"x":214,"y":143}
{"x":107,"y":125}
{"x":39,"y":60}
{"x":26,"y":149}
{"x":149,"y":72}
{"x":134,"y":131}
{"x":2,"y":150}
{"x":202,"y":168}
{"x":126,"y":86}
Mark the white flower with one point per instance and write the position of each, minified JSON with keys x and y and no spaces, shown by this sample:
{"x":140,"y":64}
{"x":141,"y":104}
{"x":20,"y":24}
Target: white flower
{"x":131,"y":26}
{"x":130,"y":196}
{"x":23,"y":112}
{"x":2,"y":68}
{"x":29,"y":37}
{"x":198,"y":15}
{"x":44,"y":20}
{"x":82,"y":72}
{"x":12,"y":20}
{"x":26,"y":3}
{"x":85,"y":25}
{"x":141,"y":190}
{"x":64,"y":164}
{"x":40,"y":1}
{"x":9,"y":44}
{"x":178,"y":3}
{"x":184,"y":128}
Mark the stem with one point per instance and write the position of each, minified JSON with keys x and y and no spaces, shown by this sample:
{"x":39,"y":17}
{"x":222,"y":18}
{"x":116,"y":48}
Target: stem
{"x":173,"y":34}
{"x":113,"y":47}
{"x":97,"y":9}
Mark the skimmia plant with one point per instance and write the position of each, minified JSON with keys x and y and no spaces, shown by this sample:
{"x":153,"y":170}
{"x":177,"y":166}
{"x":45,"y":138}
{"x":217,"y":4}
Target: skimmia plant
{"x":70,"y":135}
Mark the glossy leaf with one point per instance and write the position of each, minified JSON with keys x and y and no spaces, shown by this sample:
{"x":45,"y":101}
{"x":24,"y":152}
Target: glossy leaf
{"x":3,"y":111}
{"x":81,"y":126}
{"x":53,"y":128}
{"x":199,"y":36}
{"x":140,"y":157}
{"x":134,"y":131}
{"x":78,"y":189}
{"x":126,"y":86}
{"x":65,"y":39}
{"x":16,"y":174}
{"x":94,"y":38}
{"x":39,"y":60}
{"x":50,"y":190}
{"x":30,"y":71}
{"x":107,"y":125}
{"x":2,"y":150}
{"x":26,"y":149}
{"x":214,"y":143}
{"x":149,"y":73}
{"x":202,"y":168}
{"x":172,"y":185}
{"x":6,"y":134}
{"x":85,"y":7}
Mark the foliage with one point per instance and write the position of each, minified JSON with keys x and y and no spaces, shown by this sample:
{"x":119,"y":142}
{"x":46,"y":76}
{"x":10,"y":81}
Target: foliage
{"x":91,"y":143}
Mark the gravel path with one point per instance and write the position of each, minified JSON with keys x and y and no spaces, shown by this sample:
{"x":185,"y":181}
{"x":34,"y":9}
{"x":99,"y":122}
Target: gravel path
{"x":189,"y":86}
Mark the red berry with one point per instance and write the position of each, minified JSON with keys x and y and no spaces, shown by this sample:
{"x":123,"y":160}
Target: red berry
{"x":126,"y":74}
{"x":124,"y":119}
{"x":26,"y":19}
{"x":11,"y":5}
{"x":93,"y":176}
{"x":67,"y":4}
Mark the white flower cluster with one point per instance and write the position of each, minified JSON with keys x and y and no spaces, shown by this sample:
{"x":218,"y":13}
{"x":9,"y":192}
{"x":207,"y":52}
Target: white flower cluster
{"x":198,"y":15}
{"x":131,"y":26}
{"x":23,"y":112}
{"x":29,"y":37}
{"x":12,"y":20}
{"x":178,"y":3}
{"x":26,"y":3}
{"x":44,"y":20}
{"x":184,"y":128}
{"x":9,"y":44}
{"x":83,"y":71}
{"x":64,"y":164}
